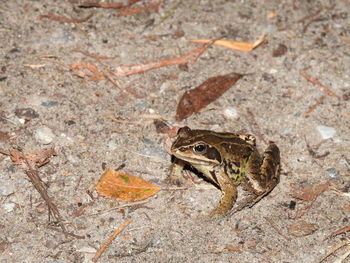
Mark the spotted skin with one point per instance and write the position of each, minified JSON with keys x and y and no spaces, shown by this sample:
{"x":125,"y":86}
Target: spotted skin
{"x":227,"y":160}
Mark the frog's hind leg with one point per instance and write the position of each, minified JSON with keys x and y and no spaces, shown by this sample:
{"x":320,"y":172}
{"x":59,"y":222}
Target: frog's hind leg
{"x":261,"y":178}
{"x":270,"y":168}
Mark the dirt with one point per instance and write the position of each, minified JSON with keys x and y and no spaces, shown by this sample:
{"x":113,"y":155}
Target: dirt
{"x":295,"y":93}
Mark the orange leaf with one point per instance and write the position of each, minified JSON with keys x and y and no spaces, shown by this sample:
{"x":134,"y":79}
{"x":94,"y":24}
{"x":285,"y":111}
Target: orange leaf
{"x":271,"y":15}
{"x":124,"y":187}
{"x":236,"y":45}
{"x":233,"y":248}
{"x":346,"y":207}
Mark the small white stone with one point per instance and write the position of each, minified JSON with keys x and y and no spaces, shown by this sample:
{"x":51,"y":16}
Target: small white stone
{"x":165,"y":86}
{"x":21,"y":121}
{"x":6,"y":187}
{"x":325,"y":131}
{"x":286,"y":130}
{"x":8,"y":207}
{"x":73,"y":159}
{"x":112,"y":144}
{"x":231,"y":113}
{"x":44,"y":135}
{"x":331,"y":173}
{"x":273,"y":71}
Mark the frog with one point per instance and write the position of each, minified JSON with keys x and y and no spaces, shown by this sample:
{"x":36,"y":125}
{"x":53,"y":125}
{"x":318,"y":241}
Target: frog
{"x":227,"y":160}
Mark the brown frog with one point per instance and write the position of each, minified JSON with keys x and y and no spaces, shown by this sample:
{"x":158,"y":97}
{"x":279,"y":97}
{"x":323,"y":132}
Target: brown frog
{"x":227,"y":160}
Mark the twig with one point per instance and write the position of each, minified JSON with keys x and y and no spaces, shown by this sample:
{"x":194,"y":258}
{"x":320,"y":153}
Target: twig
{"x":121,"y":206}
{"x":110,"y":239}
{"x":314,"y":106}
{"x":169,"y":13}
{"x":102,"y":5}
{"x":301,"y":20}
{"x":189,"y":57}
{"x":91,"y":55}
{"x":340,"y":231}
{"x":65,"y":232}
{"x":116,"y":84}
{"x":107,"y":5}
{"x":334,"y":249}
{"x":41,"y":188}
{"x":313,"y":17}
{"x":315,"y":82}
{"x":65,"y":19}
{"x":127,"y":121}
{"x":131,"y":11}
{"x":29,"y":162}
{"x":311,"y":149}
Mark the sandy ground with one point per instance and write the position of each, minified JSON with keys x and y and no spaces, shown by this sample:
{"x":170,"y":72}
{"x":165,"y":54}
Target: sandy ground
{"x":44,"y":104}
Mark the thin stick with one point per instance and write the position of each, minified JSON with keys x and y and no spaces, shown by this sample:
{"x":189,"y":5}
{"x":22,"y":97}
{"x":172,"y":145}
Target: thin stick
{"x":91,"y":55}
{"x":314,"y":106}
{"x":110,"y":239}
{"x":335,"y":248}
{"x":119,"y":207}
{"x":189,"y":57}
{"x":65,"y":19}
{"x":318,"y":84}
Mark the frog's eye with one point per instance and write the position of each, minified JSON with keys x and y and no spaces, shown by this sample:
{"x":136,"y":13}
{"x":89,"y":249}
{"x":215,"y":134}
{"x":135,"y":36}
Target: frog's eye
{"x":200,"y":148}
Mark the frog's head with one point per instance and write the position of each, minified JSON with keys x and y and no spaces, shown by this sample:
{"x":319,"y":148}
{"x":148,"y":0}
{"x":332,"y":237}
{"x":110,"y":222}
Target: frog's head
{"x":196,"y":147}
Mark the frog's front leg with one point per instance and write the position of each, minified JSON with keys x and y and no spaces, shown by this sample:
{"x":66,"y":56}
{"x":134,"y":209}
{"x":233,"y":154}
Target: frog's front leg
{"x":228,"y":194}
{"x":176,"y":170}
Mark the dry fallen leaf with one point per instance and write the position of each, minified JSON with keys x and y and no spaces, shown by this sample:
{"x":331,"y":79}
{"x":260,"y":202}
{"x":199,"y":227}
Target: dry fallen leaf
{"x":236,"y":45}
{"x":233,"y":248}
{"x":125,"y":187}
{"x":341,"y":231}
{"x":194,"y":100}
{"x":302,"y":228}
{"x":310,"y":193}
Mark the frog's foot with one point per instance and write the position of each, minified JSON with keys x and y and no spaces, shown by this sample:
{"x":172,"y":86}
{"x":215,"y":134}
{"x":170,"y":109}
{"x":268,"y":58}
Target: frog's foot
{"x":175,"y":180}
{"x":248,"y":201}
{"x":217,"y":213}
{"x":176,"y":176}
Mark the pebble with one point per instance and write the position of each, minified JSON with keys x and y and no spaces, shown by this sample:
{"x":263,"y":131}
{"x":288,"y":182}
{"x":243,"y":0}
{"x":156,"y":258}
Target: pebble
{"x":8,"y":207}
{"x":286,"y":130}
{"x":331,"y":173}
{"x":44,"y":135}
{"x":113,"y":143}
{"x":49,"y":104}
{"x":73,"y":159}
{"x":325,"y":131}
{"x":231,"y":113}
{"x":6,"y":187}
{"x":273,"y":71}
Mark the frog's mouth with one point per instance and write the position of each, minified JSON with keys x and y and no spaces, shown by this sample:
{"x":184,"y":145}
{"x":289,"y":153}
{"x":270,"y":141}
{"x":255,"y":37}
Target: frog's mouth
{"x":195,"y":159}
